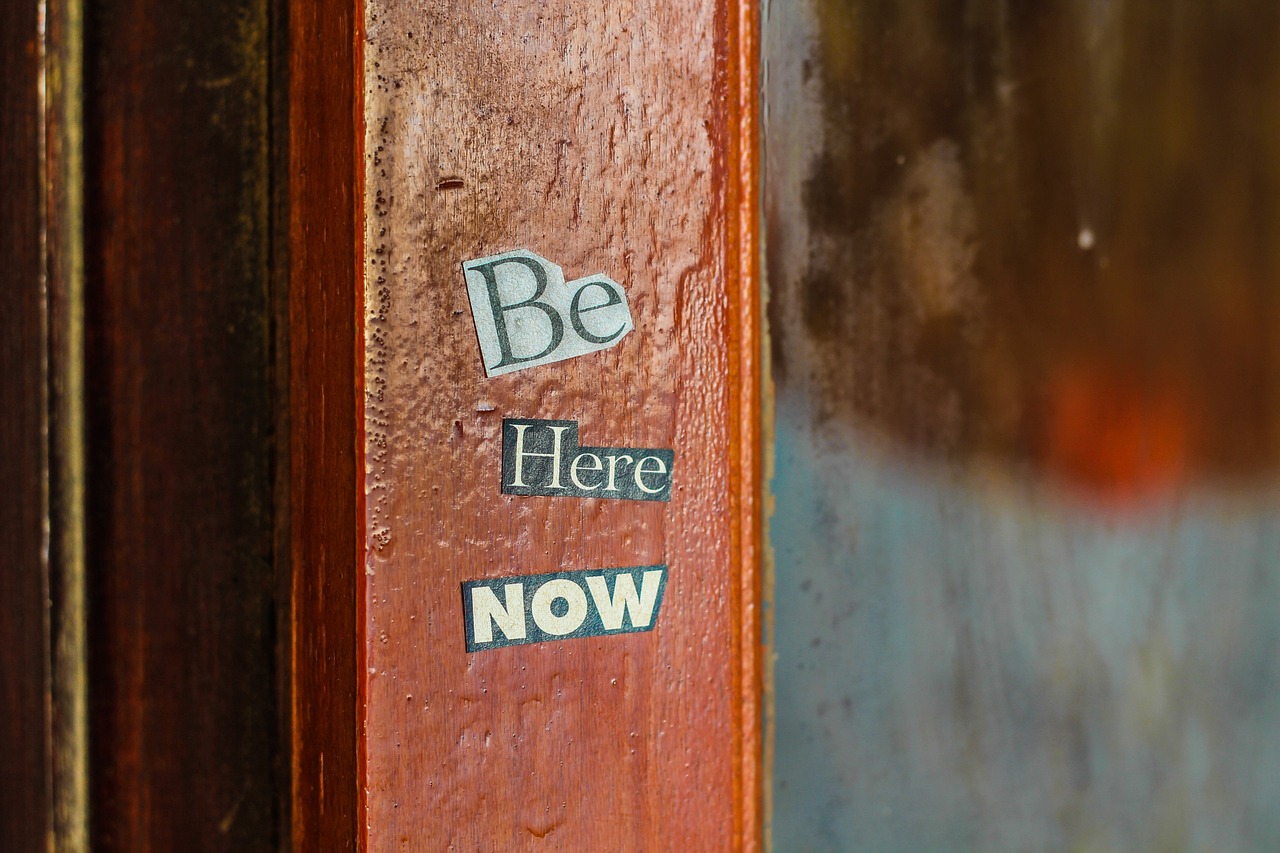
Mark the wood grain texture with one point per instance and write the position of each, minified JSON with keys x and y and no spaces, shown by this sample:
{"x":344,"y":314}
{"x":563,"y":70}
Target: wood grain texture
{"x":180,"y":413}
{"x":63,"y":177}
{"x":26,"y":772}
{"x":325,"y":439}
{"x":749,"y":392}
{"x":607,"y":138}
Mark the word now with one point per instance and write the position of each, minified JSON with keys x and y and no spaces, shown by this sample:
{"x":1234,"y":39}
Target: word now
{"x":561,"y":605}
{"x":520,"y":304}
{"x":543,"y":458}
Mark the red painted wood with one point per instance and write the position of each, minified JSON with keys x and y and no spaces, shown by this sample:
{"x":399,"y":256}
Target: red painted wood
{"x":748,"y":391}
{"x":614,"y":138}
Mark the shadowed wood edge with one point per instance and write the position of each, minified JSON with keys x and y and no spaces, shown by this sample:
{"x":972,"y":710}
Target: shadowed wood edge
{"x":323,"y":199}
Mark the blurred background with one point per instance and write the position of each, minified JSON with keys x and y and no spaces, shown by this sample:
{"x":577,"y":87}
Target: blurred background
{"x":1024,"y":272}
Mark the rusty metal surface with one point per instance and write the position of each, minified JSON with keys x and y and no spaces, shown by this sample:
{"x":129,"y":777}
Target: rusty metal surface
{"x":598,"y":136}
{"x":1024,"y":266}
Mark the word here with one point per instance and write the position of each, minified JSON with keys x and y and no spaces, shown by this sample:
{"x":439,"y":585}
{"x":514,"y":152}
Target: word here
{"x":544,"y":458}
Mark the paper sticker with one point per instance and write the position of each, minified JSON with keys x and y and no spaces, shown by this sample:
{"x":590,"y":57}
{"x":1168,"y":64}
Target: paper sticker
{"x":543,"y":458}
{"x":562,"y":605}
{"x":526,"y":315}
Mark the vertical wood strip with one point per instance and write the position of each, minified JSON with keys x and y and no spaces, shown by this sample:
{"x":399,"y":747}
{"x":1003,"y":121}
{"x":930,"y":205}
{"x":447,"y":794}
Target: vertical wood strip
{"x":26,"y":816}
{"x":179,"y":420}
{"x":64,"y":245}
{"x":618,"y":139}
{"x":747,"y":383}
{"x":377,"y":640}
{"x":326,"y":440}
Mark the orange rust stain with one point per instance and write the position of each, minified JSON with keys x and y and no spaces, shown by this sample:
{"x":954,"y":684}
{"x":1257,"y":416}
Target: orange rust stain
{"x":1114,"y":434}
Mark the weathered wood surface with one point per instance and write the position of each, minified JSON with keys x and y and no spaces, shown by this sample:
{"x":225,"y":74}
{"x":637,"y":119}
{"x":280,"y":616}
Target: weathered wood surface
{"x":26,"y":771}
{"x":182,"y":633}
{"x":1024,"y":264}
{"x":606,"y":138}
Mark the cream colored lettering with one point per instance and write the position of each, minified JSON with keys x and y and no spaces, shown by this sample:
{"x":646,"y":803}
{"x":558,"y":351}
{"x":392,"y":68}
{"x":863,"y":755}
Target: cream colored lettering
{"x":573,"y":470}
{"x":487,"y":611}
{"x":554,"y":456}
{"x":625,"y":599}
{"x":613,"y":461}
{"x":573,"y":617}
{"x":640,"y":472}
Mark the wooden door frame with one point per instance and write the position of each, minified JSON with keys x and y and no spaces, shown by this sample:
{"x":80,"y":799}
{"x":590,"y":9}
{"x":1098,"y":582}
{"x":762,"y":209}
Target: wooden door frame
{"x":326,"y":539}
{"x":124,"y":217}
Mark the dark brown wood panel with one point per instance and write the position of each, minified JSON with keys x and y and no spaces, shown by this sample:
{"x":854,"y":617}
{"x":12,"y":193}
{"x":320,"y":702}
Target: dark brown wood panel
{"x":25,"y":772}
{"x":325,"y":525}
{"x":180,"y":416}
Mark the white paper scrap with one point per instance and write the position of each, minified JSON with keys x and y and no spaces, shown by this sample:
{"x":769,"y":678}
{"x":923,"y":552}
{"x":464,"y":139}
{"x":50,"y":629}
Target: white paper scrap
{"x":527,"y":315}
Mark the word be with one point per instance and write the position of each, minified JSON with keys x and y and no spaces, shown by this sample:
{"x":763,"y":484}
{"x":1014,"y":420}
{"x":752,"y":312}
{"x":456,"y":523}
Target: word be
{"x":520,"y":304}
{"x":543,"y":458}
{"x":537,"y":608}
